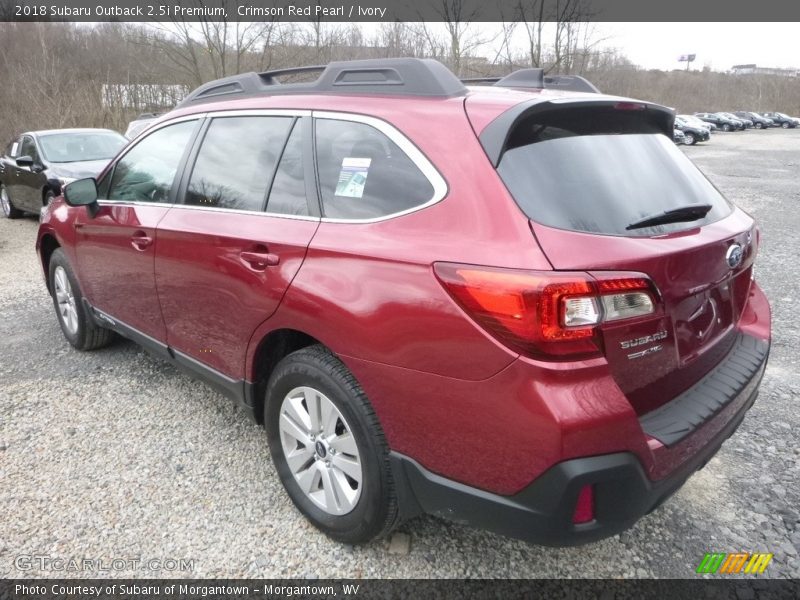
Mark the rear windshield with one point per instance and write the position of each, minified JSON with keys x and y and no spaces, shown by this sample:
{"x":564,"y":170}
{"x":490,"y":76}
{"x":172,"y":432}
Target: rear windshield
{"x":604,"y":183}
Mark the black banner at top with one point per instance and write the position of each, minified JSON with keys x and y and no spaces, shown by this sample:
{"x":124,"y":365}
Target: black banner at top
{"x":398,"y":10}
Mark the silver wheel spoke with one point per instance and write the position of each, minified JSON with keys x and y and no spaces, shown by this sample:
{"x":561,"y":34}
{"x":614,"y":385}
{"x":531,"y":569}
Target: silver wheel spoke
{"x":348,"y":465}
{"x":307,"y":478}
{"x":299,"y":458}
{"x":329,"y":416}
{"x":346,"y":495}
{"x":313,"y":404}
{"x":290,"y":428}
{"x":329,"y":491}
{"x":345,"y":443}
{"x":327,"y":465}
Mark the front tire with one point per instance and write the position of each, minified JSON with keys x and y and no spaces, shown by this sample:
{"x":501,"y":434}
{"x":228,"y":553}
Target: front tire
{"x":785,"y":125}
{"x":328,"y":447}
{"x":690,"y":139}
{"x":76,"y":324}
{"x":9,"y":210}
{"x":726,"y":127}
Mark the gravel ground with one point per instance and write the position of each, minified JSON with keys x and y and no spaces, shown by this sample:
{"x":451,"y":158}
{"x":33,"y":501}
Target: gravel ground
{"x":114,"y":454}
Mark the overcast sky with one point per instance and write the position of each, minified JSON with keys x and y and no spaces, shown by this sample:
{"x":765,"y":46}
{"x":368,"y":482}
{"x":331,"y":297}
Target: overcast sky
{"x":719,"y":45}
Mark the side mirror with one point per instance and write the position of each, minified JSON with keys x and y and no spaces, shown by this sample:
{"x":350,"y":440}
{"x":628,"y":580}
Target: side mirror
{"x":82,"y":192}
{"x":25,"y":161}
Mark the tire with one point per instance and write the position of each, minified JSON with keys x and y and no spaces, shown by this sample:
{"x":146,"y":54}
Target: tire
{"x":759,"y":126}
{"x":785,"y":125}
{"x":726,"y":127}
{"x":332,"y":498}
{"x":77,"y":325}
{"x":9,"y":210}
{"x":690,"y":140}
{"x":49,"y":196}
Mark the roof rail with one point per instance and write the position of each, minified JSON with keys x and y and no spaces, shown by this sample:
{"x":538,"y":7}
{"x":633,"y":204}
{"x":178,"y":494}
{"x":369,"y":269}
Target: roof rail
{"x":534,"y":78}
{"x":390,"y":76}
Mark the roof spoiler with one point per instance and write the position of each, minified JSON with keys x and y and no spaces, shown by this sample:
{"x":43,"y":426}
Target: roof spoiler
{"x":391,"y":76}
{"x":497,"y":135}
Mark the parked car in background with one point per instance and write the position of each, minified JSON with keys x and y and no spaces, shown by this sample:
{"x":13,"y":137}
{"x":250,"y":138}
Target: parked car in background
{"x":695,"y":122}
{"x":758,"y":121}
{"x":721,"y":122}
{"x":545,"y":337}
{"x":746,"y":122}
{"x":37,"y":164}
{"x":677,"y":136}
{"x":781,"y":119}
{"x":139,"y":124}
{"x":691,"y":133}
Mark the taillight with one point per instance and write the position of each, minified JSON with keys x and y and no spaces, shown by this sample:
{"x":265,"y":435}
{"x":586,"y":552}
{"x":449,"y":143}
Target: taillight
{"x":545,"y":314}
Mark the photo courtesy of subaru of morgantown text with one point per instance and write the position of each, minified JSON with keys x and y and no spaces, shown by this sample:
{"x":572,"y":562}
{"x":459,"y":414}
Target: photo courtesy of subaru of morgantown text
{"x":509,"y":302}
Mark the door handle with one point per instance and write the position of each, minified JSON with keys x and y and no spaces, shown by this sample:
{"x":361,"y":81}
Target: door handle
{"x":259,"y":260}
{"x":140,"y":240}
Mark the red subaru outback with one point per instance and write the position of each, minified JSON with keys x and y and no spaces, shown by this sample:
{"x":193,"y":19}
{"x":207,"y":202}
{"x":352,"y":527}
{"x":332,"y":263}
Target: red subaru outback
{"x":517,"y":306}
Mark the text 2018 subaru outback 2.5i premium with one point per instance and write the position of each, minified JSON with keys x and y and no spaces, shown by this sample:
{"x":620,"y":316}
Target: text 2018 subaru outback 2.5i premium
{"x":518,"y":305}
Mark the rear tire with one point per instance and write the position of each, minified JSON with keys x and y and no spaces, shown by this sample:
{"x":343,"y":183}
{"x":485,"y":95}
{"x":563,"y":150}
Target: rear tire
{"x":726,"y":127}
{"x":337,"y":472}
{"x":77,"y":325}
{"x":785,"y":125}
{"x":9,"y":210}
{"x":759,"y":126}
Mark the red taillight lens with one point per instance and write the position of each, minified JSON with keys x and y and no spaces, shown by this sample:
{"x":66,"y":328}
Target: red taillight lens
{"x":584,"y":507}
{"x":543,"y":314}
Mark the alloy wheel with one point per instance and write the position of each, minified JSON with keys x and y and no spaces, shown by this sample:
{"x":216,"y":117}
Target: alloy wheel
{"x":320,"y":450}
{"x":67,"y":308}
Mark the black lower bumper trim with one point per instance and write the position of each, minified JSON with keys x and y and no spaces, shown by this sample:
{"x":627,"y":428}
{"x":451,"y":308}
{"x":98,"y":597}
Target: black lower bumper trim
{"x":739,"y":372}
{"x":542,"y":512}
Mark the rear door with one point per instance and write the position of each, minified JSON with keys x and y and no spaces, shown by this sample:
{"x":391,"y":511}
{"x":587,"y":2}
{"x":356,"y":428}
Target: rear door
{"x":116,"y":247}
{"x":591,"y":179}
{"x":229,"y":251}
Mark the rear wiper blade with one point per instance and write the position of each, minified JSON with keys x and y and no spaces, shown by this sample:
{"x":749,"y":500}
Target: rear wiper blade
{"x":692,"y":212}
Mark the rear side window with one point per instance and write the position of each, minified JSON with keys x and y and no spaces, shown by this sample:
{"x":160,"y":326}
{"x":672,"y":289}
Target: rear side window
{"x":236,"y":162}
{"x":288,"y":193}
{"x":604,"y":183}
{"x":363,"y":174}
{"x":146,"y":173}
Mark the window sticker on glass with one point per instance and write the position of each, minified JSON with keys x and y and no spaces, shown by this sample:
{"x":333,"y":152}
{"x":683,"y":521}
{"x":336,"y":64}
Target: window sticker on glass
{"x":353,"y":177}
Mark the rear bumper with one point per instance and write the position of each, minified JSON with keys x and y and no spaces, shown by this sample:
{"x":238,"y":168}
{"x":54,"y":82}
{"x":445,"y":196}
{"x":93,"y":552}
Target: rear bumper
{"x":542,"y":512}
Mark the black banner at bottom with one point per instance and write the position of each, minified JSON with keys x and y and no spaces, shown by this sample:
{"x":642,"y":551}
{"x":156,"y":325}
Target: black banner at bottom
{"x":257,"y":589}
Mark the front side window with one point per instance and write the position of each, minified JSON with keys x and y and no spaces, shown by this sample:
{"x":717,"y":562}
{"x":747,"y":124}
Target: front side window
{"x":363,"y":174}
{"x":236,"y":162}
{"x":28,"y":148}
{"x":146,"y":173}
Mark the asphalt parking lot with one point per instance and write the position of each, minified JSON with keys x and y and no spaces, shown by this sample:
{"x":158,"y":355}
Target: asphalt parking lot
{"x":115,"y":455}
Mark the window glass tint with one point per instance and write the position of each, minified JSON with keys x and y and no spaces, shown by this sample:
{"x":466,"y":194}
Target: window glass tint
{"x":288,"y":193}
{"x":363,"y":174}
{"x":236,"y":162}
{"x":28,"y":148}
{"x":603,"y":183}
{"x":146,"y":172}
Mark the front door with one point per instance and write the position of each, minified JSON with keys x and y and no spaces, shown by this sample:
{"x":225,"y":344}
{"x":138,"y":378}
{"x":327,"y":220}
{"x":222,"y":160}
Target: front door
{"x":226,"y":256}
{"x":117,"y":246}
